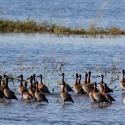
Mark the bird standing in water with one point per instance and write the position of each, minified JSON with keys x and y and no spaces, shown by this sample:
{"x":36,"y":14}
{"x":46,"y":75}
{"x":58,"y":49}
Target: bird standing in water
{"x":42,"y":87}
{"x":66,"y":86}
{"x":65,"y":95}
{"x":122,"y":82}
{"x":40,"y":96}
{"x":8,"y":93}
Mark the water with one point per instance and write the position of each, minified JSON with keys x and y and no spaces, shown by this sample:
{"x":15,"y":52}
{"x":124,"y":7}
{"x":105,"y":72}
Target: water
{"x":77,"y":13}
{"x":31,"y":53}
{"x":80,"y":55}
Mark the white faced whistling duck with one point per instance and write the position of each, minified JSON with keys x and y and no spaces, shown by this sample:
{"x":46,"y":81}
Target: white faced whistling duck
{"x":21,"y":88}
{"x":101,"y":87}
{"x":107,"y":89}
{"x":86,"y":85}
{"x":40,"y":96}
{"x":79,"y":79}
{"x":3,"y":81}
{"x":76,"y":86}
{"x":107,"y":96}
{"x":66,"y":86}
{"x":42,"y":87}
{"x":1,"y":89}
{"x":124,"y":100}
{"x":31,"y":89}
{"x":65,"y":95}
{"x":25,"y":84}
{"x":91,"y":92}
{"x":78,"y":89}
{"x":89,"y":75}
{"x":8,"y":93}
{"x":4,"y":76}
{"x":79,"y":82}
{"x":122,"y":82}
{"x":98,"y":96}
{"x":33,"y":85}
{"x":27,"y":95}
{"x":34,"y":81}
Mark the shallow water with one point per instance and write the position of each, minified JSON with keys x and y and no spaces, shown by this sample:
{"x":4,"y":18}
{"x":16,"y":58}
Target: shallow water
{"x":80,"y":55}
{"x":75,"y":13}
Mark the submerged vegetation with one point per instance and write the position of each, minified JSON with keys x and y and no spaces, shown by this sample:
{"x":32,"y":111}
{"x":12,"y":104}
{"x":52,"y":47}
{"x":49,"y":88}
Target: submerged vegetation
{"x":30,"y":26}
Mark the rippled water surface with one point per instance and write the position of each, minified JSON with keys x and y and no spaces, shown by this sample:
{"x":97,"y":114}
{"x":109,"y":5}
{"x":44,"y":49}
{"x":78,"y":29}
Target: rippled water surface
{"x":79,"y":54}
{"x":75,"y":13}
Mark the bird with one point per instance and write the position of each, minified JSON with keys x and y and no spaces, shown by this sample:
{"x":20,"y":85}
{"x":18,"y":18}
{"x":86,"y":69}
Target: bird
{"x":3,"y":80}
{"x":42,"y":87}
{"x":79,"y":79}
{"x":25,"y":84}
{"x":107,"y":96}
{"x":66,"y":86}
{"x":78,"y":89}
{"x":26,"y":94}
{"x":1,"y":89}
{"x":85,"y":85}
{"x":107,"y":89}
{"x":91,"y":93}
{"x":65,"y":95}
{"x":21,"y":88}
{"x":31,"y":89}
{"x":79,"y":82}
{"x":34,"y":81}
{"x":124,"y":100}
{"x":89,"y":75}
{"x":101,"y":86}
{"x":40,"y":96}
{"x":97,"y":95}
{"x":122,"y":82}
{"x":8,"y":93}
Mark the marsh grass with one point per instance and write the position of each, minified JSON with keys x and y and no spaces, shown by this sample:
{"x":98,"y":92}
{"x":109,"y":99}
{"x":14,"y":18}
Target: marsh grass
{"x":49,"y":68}
{"x":30,"y":26}
{"x":115,"y":71}
{"x":112,"y":72}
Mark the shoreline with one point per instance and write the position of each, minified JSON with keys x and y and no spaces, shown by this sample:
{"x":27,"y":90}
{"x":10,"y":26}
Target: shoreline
{"x":30,"y":26}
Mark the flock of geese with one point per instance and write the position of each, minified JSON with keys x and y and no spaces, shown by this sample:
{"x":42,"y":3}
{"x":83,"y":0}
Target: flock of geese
{"x":37,"y":90}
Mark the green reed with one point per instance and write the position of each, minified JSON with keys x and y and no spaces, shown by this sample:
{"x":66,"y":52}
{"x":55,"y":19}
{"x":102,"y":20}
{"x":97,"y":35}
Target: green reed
{"x":30,"y":26}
